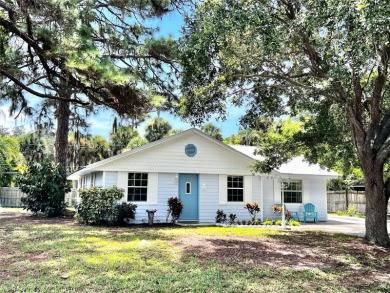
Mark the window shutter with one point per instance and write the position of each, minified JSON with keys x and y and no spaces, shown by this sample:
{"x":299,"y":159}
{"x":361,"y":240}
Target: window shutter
{"x":248,"y":188}
{"x":222,"y":189}
{"x":277,"y":191}
{"x":152,"y":188}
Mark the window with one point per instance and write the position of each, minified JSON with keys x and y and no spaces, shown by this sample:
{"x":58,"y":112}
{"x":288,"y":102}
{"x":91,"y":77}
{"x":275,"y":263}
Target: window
{"x":188,"y":187}
{"x":293,"y":191}
{"x":137,"y":187}
{"x":235,"y":188}
{"x":93,"y":180}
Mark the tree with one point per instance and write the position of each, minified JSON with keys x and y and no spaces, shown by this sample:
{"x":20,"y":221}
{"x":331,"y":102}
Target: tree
{"x":10,"y":159}
{"x":84,"y":53}
{"x":44,"y":188}
{"x":281,"y":57}
{"x":121,"y":138}
{"x":212,"y":130}
{"x":33,"y":148}
{"x":157,"y":129}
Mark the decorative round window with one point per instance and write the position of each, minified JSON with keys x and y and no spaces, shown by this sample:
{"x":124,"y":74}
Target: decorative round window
{"x":190,"y":150}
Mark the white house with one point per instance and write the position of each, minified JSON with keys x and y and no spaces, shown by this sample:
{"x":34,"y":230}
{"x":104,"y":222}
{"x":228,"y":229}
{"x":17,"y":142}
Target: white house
{"x":206,"y":175}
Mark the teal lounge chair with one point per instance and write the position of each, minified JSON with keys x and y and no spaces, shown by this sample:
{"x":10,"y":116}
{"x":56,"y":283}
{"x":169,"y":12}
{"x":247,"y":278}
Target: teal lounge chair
{"x":309,"y":212}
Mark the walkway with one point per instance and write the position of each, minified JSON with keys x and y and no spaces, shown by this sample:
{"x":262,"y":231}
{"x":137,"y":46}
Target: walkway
{"x":341,"y":224}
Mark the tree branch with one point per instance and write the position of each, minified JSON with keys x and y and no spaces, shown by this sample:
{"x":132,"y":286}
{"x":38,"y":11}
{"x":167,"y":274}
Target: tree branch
{"x":38,"y":94}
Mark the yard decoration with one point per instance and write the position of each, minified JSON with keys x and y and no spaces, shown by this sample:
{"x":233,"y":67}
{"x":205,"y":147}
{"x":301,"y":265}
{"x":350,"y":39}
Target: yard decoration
{"x":151,"y":216}
{"x":175,"y":208}
{"x":253,"y":209}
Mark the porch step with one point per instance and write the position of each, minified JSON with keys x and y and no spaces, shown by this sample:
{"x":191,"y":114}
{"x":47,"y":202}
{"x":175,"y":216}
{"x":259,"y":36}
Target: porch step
{"x":187,"y":222}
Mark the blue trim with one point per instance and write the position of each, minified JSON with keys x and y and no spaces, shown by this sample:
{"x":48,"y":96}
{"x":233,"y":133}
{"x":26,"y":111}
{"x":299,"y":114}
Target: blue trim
{"x":190,"y":150}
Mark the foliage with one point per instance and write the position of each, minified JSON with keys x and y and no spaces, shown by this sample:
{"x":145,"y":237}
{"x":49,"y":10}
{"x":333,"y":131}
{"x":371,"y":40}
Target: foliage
{"x":253,"y":209}
{"x":220,"y":217}
{"x":175,"y":208}
{"x":126,"y":211}
{"x":120,"y":139}
{"x":212,"y":130}
{"x":278,"y":223}
{"x":10,"y":159}
{"x":293,"y":223}
{"x":157,"y":129}
{"x":135,"y":142}
{"x":268,"y":222}
{"x":351,"y":211}
{"x":232,"y":219}
{"x":44,"y":188}
{"x":98,"y":205}
{"x":326,"y":59}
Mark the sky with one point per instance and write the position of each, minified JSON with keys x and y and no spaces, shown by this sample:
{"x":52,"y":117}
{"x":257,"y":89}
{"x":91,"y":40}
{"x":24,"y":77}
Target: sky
{"x":101,"y":124}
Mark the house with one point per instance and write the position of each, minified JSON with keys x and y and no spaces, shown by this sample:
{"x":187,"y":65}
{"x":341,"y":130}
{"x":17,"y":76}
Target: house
{"x":206,"y":175}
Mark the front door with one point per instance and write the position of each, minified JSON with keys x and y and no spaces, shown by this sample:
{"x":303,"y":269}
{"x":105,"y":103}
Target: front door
{"x":188,"y":194}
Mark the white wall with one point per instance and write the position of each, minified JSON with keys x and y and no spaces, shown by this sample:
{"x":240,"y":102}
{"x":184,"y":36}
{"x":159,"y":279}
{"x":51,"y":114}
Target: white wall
{"x":170,"y":157}
{"x":110,"y":179}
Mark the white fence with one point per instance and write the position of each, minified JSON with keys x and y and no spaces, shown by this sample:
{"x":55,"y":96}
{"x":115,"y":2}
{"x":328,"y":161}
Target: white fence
{"x":341,"y":200}
{"x":11,"y":196}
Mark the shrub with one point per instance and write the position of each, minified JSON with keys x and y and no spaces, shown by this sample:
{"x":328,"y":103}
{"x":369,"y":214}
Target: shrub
{"x":243,"y":222}
{"x":45,"y":187}
{"x":351,"y":211}
{"x":98,"y":205}
{"x":255,"y":222}
{"x":340,"y":213}
{"x":175,"y":208}
{"x":232,"y":219}
{"x":268,"y":222}
{"x":293,"y":223}
{"x":253,"y":209}
{"x":278,"y":222}
{"x":220,"y":217}
{"x":126,"y":211}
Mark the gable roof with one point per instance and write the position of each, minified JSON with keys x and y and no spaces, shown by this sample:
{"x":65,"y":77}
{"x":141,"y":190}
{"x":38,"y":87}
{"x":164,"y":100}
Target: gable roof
{"x":246,"y":152}
{"x":296,"y":166}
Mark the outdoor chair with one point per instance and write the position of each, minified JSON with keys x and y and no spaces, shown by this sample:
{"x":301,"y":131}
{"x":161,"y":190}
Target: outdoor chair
{"x":309,"y":212}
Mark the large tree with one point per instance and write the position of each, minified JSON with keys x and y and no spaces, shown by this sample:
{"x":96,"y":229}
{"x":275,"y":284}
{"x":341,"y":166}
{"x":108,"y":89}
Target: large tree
{"x":278,"y":57}
{"x":84,"y":53}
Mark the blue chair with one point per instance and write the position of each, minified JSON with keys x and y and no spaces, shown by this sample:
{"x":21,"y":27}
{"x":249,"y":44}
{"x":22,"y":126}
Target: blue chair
{"x":309,"y":212}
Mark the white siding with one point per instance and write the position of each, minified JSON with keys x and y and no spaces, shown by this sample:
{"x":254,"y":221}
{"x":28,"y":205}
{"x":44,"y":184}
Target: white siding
{"x":167,"y":187}
{"x":317,"y":191}
{"x":268,"y":192}
{"x":99,"y":179}
{"x":208,"y":197}
{"x":110,"y":179}
{"x":169,"y":157}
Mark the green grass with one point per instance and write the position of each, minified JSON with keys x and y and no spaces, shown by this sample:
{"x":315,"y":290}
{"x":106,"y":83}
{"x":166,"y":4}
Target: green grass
{"x":61,"y":257}
{"x":345,"y":214}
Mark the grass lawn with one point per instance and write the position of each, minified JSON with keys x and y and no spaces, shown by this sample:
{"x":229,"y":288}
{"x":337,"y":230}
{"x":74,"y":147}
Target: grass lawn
{"x":60,"y":255}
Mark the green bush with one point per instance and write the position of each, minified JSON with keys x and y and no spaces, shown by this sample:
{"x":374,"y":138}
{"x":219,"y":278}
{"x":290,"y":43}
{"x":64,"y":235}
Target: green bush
{"x":98,"y":205}
{"x":351,"y":211}
{"x":45,"y":188}
{"x":268,"y":222}
{"x":232,"y":219}
{"x":220,"y":217}
{"x":293,"y":223}
{"x":340,"y":213}
{"x":126,"y":211}
{"x":278,"y":222}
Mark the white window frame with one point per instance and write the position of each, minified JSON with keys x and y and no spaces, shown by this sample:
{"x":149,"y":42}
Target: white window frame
{"x":235,"y":188}
{"x":290,"y":190}
{"x":138,"y":186}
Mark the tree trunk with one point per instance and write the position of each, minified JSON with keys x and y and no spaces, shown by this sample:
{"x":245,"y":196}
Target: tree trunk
{"x":376,"y":205}
{"x":61,"y":142}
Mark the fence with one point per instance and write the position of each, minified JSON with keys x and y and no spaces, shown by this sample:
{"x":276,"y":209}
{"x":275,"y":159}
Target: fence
{"x":341,"y":200}
{"x":11,"y":196}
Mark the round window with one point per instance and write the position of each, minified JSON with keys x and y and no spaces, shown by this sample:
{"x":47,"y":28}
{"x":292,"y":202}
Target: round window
{"x":190,"y":150}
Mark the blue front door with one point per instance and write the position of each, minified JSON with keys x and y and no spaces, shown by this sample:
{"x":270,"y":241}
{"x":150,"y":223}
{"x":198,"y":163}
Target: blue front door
{"x":188,"y":194}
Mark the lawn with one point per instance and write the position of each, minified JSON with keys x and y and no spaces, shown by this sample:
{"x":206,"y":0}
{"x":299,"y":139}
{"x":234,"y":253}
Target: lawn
{"x":60,"y":255}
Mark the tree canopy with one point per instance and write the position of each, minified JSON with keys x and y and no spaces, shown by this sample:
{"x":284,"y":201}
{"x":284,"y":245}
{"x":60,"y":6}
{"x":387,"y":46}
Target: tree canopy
{"x":329,"y":58}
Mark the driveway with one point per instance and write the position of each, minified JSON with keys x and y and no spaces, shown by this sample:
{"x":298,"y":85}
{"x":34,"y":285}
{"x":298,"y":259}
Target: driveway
{"x":341,"y":224}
